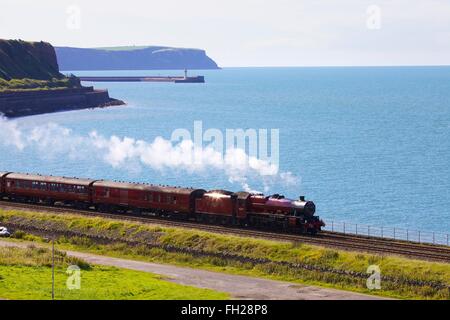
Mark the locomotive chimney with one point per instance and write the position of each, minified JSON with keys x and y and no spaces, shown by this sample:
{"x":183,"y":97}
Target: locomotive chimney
{"x":302,"y":198}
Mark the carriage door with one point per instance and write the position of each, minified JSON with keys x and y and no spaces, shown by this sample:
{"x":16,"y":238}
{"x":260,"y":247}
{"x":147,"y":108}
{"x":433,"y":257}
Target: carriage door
{"x":124,"y":197}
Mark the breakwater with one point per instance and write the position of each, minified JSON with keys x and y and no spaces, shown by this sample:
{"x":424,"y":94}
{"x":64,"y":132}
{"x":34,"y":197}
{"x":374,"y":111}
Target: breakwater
{"x":24,"y":103}
{"x":175,"y":79}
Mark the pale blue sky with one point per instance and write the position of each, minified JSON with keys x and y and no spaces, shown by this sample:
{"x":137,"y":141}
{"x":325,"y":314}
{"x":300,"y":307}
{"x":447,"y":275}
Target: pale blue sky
{"x":247,"y":32}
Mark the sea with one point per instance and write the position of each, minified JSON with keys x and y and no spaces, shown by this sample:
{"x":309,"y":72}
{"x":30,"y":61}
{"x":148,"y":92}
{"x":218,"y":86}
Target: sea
{"x":368,"y":145}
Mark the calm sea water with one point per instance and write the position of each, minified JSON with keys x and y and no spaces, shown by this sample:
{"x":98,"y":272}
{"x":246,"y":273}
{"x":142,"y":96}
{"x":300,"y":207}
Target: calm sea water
{"x":370,"y":145}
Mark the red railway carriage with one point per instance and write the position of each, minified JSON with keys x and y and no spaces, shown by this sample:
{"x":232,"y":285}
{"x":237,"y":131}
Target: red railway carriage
{"x":47,"y":188}
{"x":110,"y":194}
{"x":2,"y":182}
{"x":217,"y":206}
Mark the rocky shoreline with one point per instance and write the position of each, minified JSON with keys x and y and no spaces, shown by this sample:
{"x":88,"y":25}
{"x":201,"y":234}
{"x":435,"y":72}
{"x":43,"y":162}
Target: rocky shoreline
{"x":25,"y":103}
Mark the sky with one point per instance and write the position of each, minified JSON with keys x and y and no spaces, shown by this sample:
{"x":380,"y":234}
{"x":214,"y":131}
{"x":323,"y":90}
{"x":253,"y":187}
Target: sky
{"x":247,"y":33}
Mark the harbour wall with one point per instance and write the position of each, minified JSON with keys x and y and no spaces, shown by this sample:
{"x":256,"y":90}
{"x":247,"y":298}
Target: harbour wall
{"x":195,"y":79}
{"x":18,"y":104}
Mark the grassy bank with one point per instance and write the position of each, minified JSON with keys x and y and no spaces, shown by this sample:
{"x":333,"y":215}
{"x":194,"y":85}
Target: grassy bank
{"x":401,"y":278}
{"x":17,"y":85}
{"x":26,"y":274}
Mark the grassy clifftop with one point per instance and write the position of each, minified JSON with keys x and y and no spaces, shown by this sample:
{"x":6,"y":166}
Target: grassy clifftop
{"x":31,"y":66}
{"x":30,"y":82}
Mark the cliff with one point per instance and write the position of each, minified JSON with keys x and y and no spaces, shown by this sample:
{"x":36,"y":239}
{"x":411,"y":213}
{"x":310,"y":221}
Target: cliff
{"x":33,"y":60}
{"x":133,"y":58}
{"x":30,"y":82}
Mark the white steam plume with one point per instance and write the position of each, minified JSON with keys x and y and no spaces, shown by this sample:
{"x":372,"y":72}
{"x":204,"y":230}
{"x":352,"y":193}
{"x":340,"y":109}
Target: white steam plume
{"x":128,"y":153}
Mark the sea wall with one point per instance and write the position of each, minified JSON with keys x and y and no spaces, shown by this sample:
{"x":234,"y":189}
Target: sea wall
{"x":18,"y":104}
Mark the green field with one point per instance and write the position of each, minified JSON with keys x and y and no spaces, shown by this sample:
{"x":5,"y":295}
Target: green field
{"x":239,"y":255}
{"x":25,"y":273}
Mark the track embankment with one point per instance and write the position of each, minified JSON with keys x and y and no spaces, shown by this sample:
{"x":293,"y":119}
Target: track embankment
{"x":328,"y":239}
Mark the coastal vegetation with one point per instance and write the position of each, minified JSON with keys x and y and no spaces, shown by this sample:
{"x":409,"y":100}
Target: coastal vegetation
{"x":16,"y":85}
{"x":30,"y":82}
{"x":31,"y":66}
{"x":295,"y":262}
{"x":26,"y":273}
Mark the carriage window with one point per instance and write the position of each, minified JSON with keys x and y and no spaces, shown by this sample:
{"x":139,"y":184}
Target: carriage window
{"x":18,"y":184}
{"x":103,"y":192}
{"x":148,"y":197}
{"x":174,"y":200}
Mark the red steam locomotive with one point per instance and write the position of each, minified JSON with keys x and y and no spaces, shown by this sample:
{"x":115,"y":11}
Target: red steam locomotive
{"x":215,"y":206}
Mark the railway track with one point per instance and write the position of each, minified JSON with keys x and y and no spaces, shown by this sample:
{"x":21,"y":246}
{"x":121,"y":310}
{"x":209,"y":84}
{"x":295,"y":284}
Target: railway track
{"x":328,"y":239}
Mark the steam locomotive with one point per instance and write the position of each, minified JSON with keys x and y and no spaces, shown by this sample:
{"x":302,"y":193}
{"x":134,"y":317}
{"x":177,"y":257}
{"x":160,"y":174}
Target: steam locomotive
{"x":214,"y":206}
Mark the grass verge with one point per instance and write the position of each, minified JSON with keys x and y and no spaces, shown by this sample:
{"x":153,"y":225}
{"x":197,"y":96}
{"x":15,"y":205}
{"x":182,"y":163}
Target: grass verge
{"x":17,"y":85}
{"x":295,"y":262}
{"x":25,"y":273}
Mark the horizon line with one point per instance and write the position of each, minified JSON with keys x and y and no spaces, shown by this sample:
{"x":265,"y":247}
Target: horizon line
{"x":340,"y":66}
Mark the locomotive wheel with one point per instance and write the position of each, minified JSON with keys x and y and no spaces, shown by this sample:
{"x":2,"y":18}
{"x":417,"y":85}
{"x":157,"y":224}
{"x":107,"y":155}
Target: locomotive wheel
{"x":103,"y":208}
{"x":137,"y":211}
